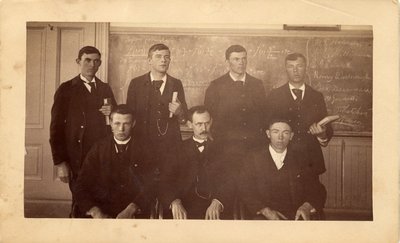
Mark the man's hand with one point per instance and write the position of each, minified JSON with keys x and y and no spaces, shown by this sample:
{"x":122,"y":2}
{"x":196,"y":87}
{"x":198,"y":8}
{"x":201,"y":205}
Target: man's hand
{"x":175,"y":107}
{"x":178,"y":211}
{"x":304,"y":211}
{"x":271,"y":214}
{"x":214,"y":210}
{"x":128,"y":212}
{"x":106,"y":110}
{"x":317,"y":130}
{"x":96,"y":213}
{"x":63,"y":172}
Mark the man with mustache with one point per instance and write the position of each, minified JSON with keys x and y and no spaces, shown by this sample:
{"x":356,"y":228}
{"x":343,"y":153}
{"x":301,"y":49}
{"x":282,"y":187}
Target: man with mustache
{"x":197,"y":186}
{"x":114,"y":181}
{"x":158,"y":113}
{"x":275,"y":184}
{"x":78,"y":118}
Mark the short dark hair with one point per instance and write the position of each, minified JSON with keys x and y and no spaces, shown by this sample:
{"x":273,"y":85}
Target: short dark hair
{"x":157,"y":47}
{"x":294,"y":56}
{"x":199,"y":109}
{"x":234,"y":48}
{"x":122,"y":109}
{"x":88,"y":50}
{"x":277,"y":120}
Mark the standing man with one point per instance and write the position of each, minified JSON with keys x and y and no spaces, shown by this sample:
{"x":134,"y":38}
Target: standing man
{"x":303,"y":107}
{"x":274,"y":184}
{"x":78,"y":118}
{"x":197,"y":186}
{"x":113,"y":182}
{"x":159,"y":114}
{"x":236,"y":102}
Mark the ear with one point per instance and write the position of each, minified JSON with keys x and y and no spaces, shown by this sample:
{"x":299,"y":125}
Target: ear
{"x":78,"y":61}
{"x":134,"y":123}
{"x":291,"y":136}
{"x":268,"y":133}
{"x":100,"y":62}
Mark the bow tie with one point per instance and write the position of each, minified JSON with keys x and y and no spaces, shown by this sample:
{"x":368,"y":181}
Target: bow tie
{"x":200,"y":144}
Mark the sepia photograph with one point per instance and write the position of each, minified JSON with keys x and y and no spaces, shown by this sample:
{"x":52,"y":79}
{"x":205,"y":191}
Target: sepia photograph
{"x":218,"y":121}
{"x":332,"y":65}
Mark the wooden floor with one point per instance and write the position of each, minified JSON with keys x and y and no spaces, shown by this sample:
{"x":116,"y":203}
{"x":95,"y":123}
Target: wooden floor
{"x":61,"y":209}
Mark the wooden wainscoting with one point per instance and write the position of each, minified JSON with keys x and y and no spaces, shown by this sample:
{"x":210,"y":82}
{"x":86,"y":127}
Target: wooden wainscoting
{"x":348,"y":178}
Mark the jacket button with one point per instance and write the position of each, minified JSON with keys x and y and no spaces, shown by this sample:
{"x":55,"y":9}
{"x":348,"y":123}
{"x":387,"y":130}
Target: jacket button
{"x":82,"y":126}
{"x":135,"y":165}
{"x":79,"y":141}
{"x":243,"y":109}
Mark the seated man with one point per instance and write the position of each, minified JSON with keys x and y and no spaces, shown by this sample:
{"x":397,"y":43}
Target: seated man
{"x":274,"y":182}
{"x":112,"y":181}
{"x":196,"y":185}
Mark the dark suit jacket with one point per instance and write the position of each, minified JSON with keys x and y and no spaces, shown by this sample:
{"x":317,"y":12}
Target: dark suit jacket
{"x":257,"y":176}
{"x":68,"y":122}
{"x":111,"y":185}
{"x":138,"y":100}
{"x":180,"y":176}
{"x":236,"y":115}
{"x":280,"y":104}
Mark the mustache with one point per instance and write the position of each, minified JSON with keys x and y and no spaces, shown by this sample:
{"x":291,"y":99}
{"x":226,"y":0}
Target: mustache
{"x":203,"y":133}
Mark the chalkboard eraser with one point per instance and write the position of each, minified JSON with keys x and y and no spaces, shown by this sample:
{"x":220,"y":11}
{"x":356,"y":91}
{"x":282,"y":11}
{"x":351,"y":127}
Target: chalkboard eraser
{"x":312,"y":27}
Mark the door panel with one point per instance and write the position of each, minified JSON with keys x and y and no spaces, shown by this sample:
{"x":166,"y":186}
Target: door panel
{"x":51,"y":52}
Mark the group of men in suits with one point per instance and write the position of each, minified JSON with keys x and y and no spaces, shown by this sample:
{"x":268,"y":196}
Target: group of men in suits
{"x":227,"y":161}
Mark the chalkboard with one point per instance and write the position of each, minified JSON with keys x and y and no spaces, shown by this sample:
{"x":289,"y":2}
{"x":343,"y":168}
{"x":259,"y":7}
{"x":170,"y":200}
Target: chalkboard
{"x":339,"y":67}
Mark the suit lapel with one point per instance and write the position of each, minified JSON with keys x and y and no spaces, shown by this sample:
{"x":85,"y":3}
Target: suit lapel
{"x":147,"y":88}
{"x":79,"y":92}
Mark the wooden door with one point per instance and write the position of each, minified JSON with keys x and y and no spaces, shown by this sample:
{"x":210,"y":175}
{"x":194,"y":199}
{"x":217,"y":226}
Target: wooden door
{"x":51,"y":52}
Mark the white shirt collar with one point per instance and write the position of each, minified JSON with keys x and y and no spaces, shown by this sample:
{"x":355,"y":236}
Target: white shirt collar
{"x":303,"y":88}
{"x":277,"y":157}
{"x":240,"y":79}
{"x":199,"y":140}
{"x":86,"y":80}
{"x":122,"y":142}
{"x":164,"y":78}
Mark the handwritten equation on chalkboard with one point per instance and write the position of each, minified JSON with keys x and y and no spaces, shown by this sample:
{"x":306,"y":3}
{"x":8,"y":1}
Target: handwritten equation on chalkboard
{"x":339,"y":67}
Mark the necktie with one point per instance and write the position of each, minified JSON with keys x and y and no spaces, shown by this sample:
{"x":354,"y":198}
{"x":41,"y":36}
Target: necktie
{"x":121,"y":147}
{"x":298,"y":93}
{"x":92,"y":87}
{"x":157,"y":85}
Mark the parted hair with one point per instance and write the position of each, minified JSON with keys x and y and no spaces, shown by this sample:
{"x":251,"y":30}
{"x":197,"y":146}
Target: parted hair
{"x":88,"y":50}
{"x":122,"y":109}
{"x":157,"y":47}
{"x":294,"y":56}
{"x":234,"y":48}
{"x":199,"y":109}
